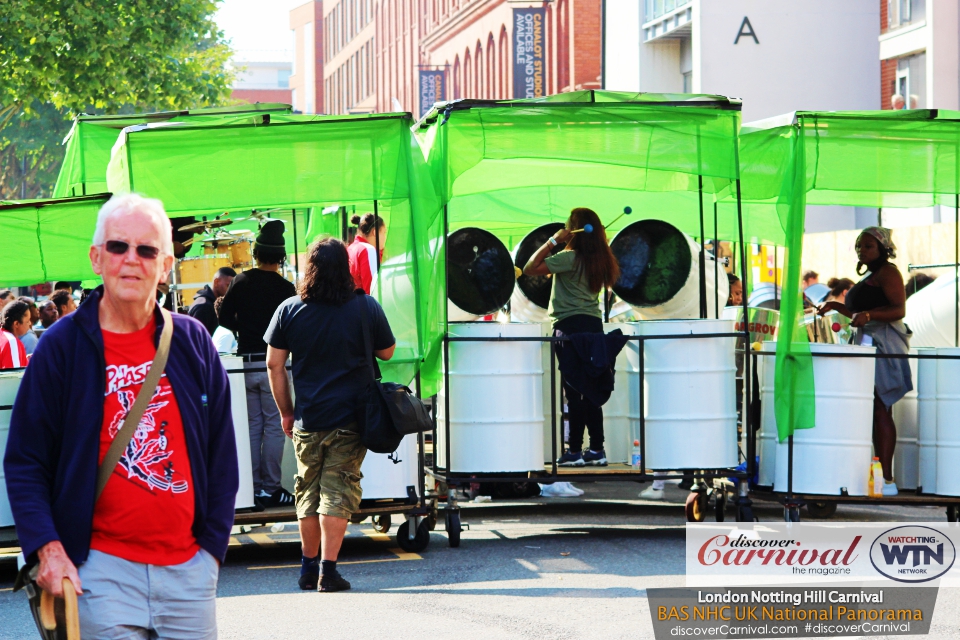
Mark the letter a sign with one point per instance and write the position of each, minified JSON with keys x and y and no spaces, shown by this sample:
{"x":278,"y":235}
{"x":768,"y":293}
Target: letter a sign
{"x":746,"y":29}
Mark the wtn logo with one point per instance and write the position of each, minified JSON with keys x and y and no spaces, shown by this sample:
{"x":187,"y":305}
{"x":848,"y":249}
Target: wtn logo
{"x":899,"y":554}
{"x":912,"y":554}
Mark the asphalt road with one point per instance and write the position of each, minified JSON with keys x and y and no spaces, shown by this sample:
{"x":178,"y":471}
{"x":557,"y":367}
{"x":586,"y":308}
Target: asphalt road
{"x":551,"y":569}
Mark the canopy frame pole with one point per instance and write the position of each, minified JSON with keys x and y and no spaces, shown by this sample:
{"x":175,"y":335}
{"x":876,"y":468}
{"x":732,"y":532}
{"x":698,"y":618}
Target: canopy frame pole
{"x":446,"y":349}
{"x":716,"y":263}
{"x":703,"y":254}
{"x":747,"y":377}
{"x":956,"y":270}
{"x":376,"y":235}
{"x":296,"y":249}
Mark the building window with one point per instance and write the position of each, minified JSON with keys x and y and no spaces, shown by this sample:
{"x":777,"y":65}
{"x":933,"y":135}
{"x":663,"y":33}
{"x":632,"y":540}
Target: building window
{"x":563,"y":46}
{"x":467,"y":76}
{"x":688,"y":82}
{"x":456,"y":78}
{"x":293,"y":38}
{"x":504,"y":63}
{"x":283,"y":78}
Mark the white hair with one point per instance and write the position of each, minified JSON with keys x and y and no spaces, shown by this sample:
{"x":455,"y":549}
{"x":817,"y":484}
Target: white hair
{"x":129,"y":203}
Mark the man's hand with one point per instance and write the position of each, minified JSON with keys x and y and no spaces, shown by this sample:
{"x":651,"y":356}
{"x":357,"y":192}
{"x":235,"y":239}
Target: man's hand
{"x":287,"y":424}
{"x":55,"y":565}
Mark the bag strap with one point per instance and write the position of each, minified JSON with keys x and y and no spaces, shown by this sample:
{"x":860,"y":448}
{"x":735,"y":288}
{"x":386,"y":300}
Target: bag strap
{"x":367,"y":340}
{"x":132,"y":420}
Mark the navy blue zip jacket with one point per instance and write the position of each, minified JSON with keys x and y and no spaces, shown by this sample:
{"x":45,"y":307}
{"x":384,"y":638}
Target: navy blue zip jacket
{"x":53,"y":446}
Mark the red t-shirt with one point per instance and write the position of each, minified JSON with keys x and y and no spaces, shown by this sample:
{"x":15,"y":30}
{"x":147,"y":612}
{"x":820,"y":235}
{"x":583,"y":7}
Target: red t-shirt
{"x":145,"y":513}
{"x":12,"y":352}
{"x":363,"y":262}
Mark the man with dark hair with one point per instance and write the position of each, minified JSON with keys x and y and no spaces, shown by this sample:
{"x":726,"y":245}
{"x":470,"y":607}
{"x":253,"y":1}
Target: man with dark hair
{"x":48,"y":315}
{"x":64,"y":301}
{"x":62,"y":285}
{"x":202,"y":308}
{"x":29,"y":339}
{"x":810,"y":278}
{"x":16,"y":323}
{"x":246,"y":310}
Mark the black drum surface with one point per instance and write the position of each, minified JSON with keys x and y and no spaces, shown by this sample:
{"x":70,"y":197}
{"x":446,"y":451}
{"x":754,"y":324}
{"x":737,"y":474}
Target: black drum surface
{"x":480,"y":275}
{"x":655,"y":261}
{"x":537,"y":288}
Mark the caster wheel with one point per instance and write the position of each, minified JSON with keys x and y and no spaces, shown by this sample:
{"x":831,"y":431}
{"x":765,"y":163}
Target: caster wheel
{"x":420,"y":540}
{"x":357,"y":518}
{"x":696,"y":507}
{"x":791,"y":514}
{"x":745,"y":514}
{"x":381,"y":524}
{"x":432,"y":519}
{"x":953,"y":511}
{"x":821,"y":510}
{"x":721,"y":505}
{"x":453,"y":528}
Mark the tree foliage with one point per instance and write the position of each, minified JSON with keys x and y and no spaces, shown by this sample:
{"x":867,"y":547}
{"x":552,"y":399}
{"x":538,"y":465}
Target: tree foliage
{"x":69,"y":56}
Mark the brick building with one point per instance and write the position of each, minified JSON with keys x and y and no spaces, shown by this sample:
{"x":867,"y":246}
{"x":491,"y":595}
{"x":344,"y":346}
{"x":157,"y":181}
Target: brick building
{"x":262,"y":76}
{"x":373,"y":50}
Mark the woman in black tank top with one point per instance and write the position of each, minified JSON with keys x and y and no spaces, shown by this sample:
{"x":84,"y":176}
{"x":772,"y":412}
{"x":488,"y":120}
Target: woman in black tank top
{"x":878,"y":298}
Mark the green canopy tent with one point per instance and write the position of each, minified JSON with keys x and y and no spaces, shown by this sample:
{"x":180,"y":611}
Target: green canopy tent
{"x":869,"y":158}
{"x":48,"y":239}
{"x":511,"y":166}
{"x":288,"y":165}
{"x":84,"y":169}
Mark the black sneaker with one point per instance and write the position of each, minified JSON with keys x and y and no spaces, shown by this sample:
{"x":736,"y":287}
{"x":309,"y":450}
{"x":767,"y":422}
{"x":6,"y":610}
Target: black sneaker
{"x":333,"y":582}
{"x":310,"y":579}
{"x":280,"y":498}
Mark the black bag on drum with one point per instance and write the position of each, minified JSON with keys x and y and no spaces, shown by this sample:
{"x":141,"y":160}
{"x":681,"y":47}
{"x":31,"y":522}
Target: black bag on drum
{"x":386,"y":411}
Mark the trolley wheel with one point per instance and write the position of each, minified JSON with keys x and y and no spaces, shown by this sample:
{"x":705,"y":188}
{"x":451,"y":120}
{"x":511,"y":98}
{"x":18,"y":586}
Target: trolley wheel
{"x":696,"y":507}
{"x":381,"y":524}
{"x":432,"y":518}
{"x":420,"y":540}
{"x":821,"y":510}
{"x":357,"y":518}
{"x":453,"y":528}
{"x":791,"y":514}
{"x":953,"y":511}
{"x":721,"y":504}
{"x":745,"y":514}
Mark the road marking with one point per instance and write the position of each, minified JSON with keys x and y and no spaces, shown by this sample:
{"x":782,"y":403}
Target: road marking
{"x":401,"y":555}
{"x":7,"y":589}
{"x":262,"y":539}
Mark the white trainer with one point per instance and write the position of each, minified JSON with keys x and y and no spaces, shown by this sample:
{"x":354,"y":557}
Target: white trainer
{"x":652,"y":494}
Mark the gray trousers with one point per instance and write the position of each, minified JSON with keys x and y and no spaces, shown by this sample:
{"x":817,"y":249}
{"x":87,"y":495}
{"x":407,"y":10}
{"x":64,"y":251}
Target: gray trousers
{"x":266,"y":434}
{"x":125,"y":600}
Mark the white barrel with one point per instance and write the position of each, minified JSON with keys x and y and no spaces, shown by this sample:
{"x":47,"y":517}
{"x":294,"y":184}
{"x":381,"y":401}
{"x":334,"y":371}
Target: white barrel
{"x":927,"y":425}
{"x":948,"y":423}
{"x":9,"y":385}
{"x":906,"y":457}
{"x":391,"y":475}
{"x":837,"y":452}
{"x":621,"y":413}
{"x":689,"y":396}
{"x":241,"y":428}
{"x":767,"y":437}
{"x":496,"y":401}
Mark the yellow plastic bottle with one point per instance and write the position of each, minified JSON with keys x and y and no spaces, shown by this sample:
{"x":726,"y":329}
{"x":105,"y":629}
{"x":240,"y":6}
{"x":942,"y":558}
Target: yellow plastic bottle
{"x":875,"y":482}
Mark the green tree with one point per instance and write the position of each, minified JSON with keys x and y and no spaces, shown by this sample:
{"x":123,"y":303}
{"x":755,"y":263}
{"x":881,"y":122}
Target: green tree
{"x":62,"y":57}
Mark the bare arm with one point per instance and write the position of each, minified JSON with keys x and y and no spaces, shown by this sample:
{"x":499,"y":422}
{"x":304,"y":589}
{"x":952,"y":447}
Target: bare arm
{"x":891,"y":282}
{"x":280,"y":386}
{"x":535,"y":265}
{"x":386,"y":354}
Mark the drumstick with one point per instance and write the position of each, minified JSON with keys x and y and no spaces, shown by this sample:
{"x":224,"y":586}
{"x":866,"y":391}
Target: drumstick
{"x":48,"y":619}
{"x":589,"y":227}
{"x":70,"y":610}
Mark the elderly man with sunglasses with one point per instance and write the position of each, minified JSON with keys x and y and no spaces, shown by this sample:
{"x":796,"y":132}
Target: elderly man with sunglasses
{"x":143,"y":556}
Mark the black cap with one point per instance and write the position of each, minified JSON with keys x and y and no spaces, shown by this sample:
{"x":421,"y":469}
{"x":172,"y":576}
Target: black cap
{"x":271,"y":235}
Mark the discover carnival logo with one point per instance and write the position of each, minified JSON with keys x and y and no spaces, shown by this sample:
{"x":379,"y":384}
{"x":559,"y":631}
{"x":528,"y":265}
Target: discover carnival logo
{"x":912,"y":554}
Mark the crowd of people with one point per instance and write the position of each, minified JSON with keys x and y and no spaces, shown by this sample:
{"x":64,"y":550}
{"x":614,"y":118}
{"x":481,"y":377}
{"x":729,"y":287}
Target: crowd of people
{"x":24,"y":320}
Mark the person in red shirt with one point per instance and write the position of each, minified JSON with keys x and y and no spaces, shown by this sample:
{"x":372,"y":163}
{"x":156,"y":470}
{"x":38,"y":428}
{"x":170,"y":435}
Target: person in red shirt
{"x":16,"y":323}
{"x":366,"y":250}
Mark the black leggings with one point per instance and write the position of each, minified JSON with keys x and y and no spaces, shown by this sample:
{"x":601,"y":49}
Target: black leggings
{"x":582,"y":413}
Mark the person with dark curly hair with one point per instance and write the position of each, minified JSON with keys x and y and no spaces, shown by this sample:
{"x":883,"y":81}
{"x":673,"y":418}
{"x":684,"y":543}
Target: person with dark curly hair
{"x":322,"y":328}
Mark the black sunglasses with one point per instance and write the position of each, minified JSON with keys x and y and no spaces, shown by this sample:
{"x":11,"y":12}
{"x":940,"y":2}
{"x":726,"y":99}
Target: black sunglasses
{"x":119,"y":247}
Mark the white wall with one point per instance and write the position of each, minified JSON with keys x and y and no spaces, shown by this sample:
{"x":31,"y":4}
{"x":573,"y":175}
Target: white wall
{"x":812,"y":55}
{"x":622,"y":64}
{"x":943,"y":54}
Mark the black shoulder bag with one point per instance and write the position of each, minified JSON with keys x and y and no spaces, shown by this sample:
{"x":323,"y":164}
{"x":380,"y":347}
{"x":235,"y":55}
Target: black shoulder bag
{"x":386,"y":411}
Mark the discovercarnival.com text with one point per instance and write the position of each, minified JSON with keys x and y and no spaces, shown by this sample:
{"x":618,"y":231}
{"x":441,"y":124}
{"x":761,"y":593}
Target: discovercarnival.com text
{"x":811,"y":629}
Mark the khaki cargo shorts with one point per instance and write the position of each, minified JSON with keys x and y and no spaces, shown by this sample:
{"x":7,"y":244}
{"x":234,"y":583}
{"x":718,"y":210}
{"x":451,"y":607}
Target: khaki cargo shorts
{"x":328,"y":472}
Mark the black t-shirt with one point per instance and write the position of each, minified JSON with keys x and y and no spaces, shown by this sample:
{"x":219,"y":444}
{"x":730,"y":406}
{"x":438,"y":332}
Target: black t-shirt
{"x":249,"y":304}
{"x":329,"y":362}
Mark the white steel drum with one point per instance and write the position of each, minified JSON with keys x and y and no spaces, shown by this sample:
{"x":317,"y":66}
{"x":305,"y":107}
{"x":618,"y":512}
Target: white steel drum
{"x":496,"y":400}
{"x":9,"y":384}
{"x":689,"y":396}
{"x":388,"y":475}
{"x":836,"y":453}
{"x":241,"y":428}
{"x":927,"y":425}
{"x":948,"y":423}
{"x":767,"y":437}
{"x":906,"y":457}
{"x":621,"y":413}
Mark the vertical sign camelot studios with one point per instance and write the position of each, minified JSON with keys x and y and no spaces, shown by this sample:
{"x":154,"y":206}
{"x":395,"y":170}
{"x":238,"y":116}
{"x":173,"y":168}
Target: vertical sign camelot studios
{"x":432,"y":88}
{"x":528,"y":53}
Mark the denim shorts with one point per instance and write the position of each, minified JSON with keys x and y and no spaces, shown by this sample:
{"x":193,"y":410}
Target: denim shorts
{"x":328,"y":472}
